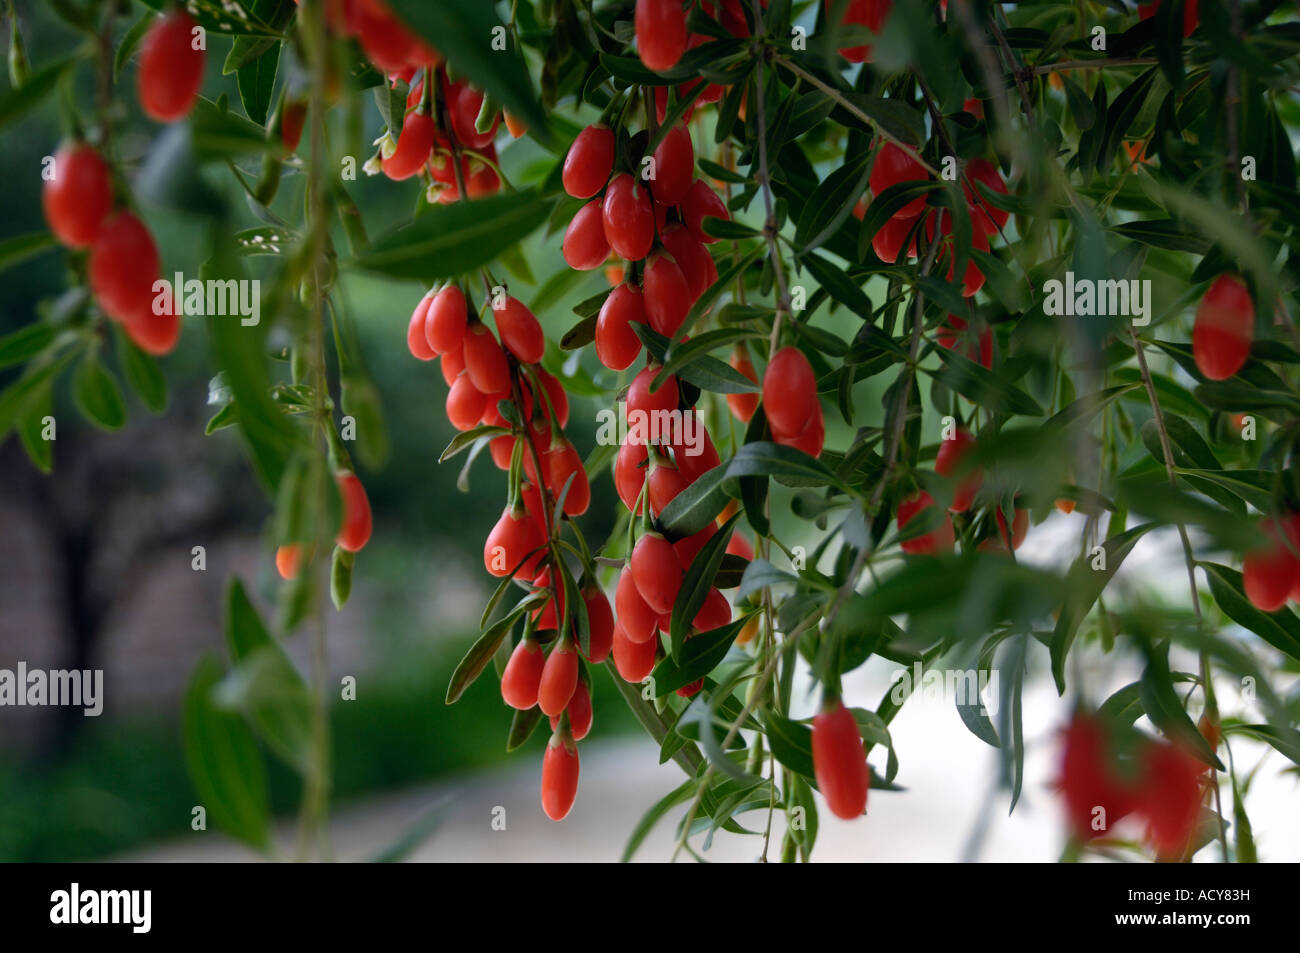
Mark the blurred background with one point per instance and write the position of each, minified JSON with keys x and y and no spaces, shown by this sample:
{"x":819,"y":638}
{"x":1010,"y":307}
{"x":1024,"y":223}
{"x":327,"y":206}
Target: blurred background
{"x":96,"y":573}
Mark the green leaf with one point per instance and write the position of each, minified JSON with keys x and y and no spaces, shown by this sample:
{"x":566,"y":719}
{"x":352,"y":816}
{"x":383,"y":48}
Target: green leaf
{"x":791,"y":744}
{"x":450,"y":240}
{"x":256,"y":81}
{"x":1279,"y":629}
{"x":25,"y":343}
{"x":760,"y":574}
{"x":694,"y":589}
{"x":522,"y":726}
{"x":790,"y":466}
{"x":224,"y":763}
{"x":1162,"y":705}
{"x":131,"y":40}
{"x":142,"y":373}
{"x":240,"y":353}
{"x":97,"y":395}
{"x":467,"y":34}
{"x":695,"y":507}
{"x":831,"y":203}
{"x":1084,"y":586}
{"x":18,"y":102}
{"x":679,"y":795}
{"x":265,"y":684}
{"x":20,"y":248}
{"x":688,"y":756}
{"x":980,"y":385}
{"x":481,"y":652}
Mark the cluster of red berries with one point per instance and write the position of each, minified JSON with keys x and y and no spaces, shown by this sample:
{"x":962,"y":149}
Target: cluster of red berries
{"x":482,"y":373}
{"x":1165,"y":787}
{"x":658,"y":221}
{"x":949,"y":464}
{"x":430,"y":139}
{"x":447,"y":119}
{"x":894,"y":165}
{"x":662,"y":36}
{"x":78,"y":198}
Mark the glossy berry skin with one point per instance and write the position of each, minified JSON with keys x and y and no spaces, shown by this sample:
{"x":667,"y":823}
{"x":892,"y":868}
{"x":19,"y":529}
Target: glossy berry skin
{"x":666,"y":295}
{"x":714,"y":614}
{"x":1270,"y":573}
{"x":585,"y":247}
{"x":579,"y":709}
{"x":691,"y":257}
{"x":628,"y":217}
{"x":1224,"y":328}
{"x":674,"y":166}
{"x":559,"y":678}
{"x":633,"y":660}
{"x":559,"y":777}
{"x":694,"y":461}
{"x":589,"y":163}
{"x":892,"y":166}
{"x":555,"y":393}
{"x":465,"y":405}
{"x":288,"y":559}
{"x":630,"y":473}
{"x":656,"y":572}
{"x":951,"y":452}
{"x":523,"y":675}
{"x":520,"y":332}
{"x":936,"y":540}
{"x":464,"y":104}
{"x":561,"y":462}
{"x":617,"y":345}
{"x":171,"y":70}
{"x":414,"y":145}
{"x":600,"y":624}
{"x":743,"y":405}
{"x":789,"y":392}
{"x":1088,"y":782}
{"x":636,"y":619}
{"x":354,"y":532}
{"x":123,"y":267}
{"x":515,"y":535}
{"x":453,"y":362}
{"x":1169,"y":798}
{"x":699,"y":203}
{"x":839,"y":761}
{"x":887,"y":243}
{"x":811,"y":439}
{"x":665,"y":482}
{"x":660,"y":33}
{"x":688,"y":547}
{"x":447,"y":317}
{"x":642,"y":400}
{"x":79,"y":197}
{"x":155,"y":331}
{"x":417,"y":341}
{"x":985,"y":215}
{"x":485,"y":362}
